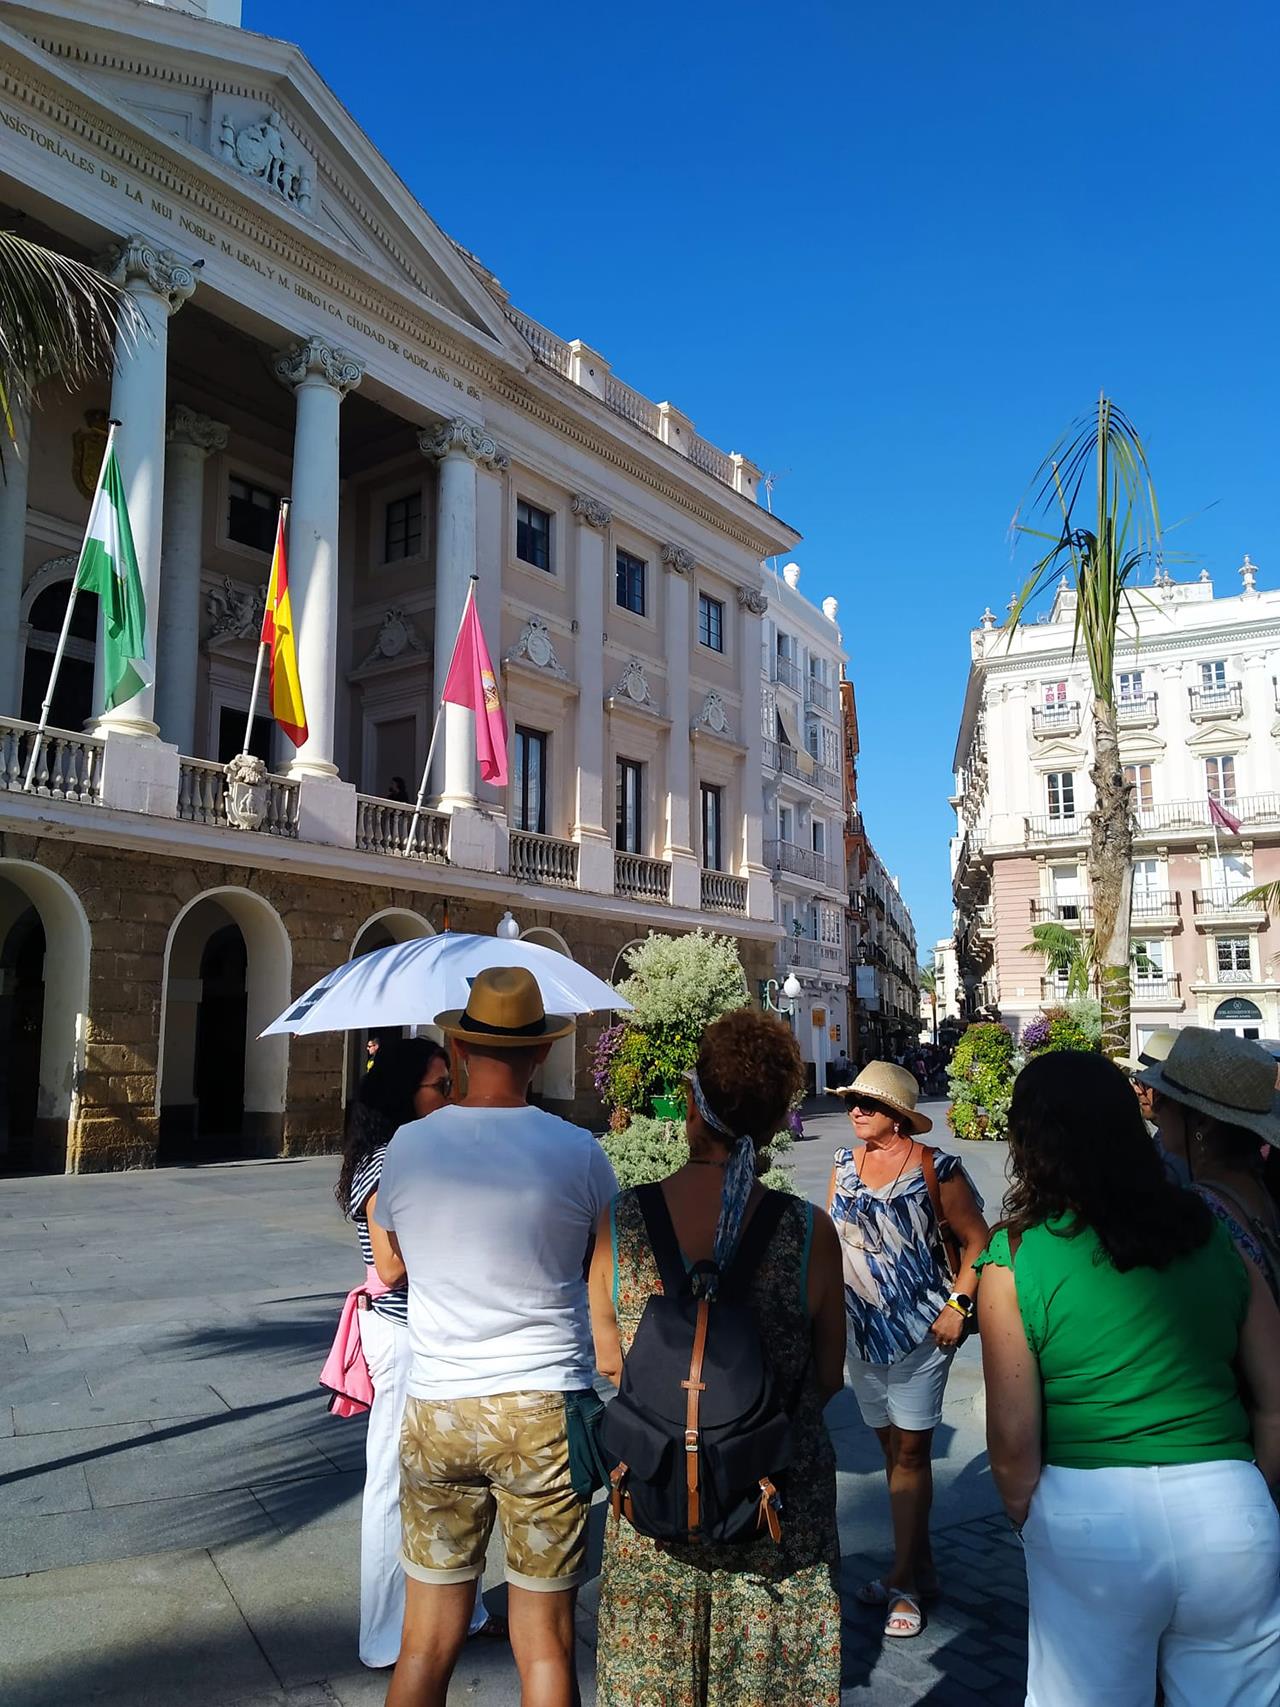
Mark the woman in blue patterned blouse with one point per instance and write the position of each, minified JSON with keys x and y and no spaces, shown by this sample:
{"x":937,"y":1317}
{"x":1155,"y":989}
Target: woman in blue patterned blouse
{"x":906,"y":1313}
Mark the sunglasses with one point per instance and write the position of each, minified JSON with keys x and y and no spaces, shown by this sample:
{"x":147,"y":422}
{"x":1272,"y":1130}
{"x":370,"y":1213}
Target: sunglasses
{"x":864,"y":1105}
{"x":444,"y":1086}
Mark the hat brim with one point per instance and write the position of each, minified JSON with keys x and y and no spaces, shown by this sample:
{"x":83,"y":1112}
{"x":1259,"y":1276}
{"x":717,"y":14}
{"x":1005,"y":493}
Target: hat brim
{"x":450,"y":1022}
{"x":1267,"y":1126}
{"x":919,"y":1123}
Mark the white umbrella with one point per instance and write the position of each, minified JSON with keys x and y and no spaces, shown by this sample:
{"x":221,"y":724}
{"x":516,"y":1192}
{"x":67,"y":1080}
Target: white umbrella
{"x":409,"y":983}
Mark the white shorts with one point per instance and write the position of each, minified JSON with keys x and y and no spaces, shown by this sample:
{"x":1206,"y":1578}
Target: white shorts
{"x":907,"y":1394}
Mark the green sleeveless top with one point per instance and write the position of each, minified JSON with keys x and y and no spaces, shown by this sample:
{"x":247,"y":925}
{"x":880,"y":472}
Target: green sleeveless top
{"x":1136,"y":1368}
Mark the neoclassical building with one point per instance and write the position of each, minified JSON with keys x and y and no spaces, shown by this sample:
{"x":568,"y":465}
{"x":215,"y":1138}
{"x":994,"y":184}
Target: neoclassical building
{"x":311,"y":334}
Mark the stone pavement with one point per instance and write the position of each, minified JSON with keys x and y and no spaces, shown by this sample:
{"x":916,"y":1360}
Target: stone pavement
{"x":180,"y":1515}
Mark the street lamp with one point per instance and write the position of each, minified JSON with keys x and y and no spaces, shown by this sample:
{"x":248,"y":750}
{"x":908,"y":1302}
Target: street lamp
{"x":507,"y":929}
{"x":790,"y":988}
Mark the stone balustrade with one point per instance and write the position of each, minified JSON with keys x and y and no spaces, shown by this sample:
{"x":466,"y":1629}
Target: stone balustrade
{"x":384,"y":826}
{"x":69,"y":766}
{"x":642,"y":879}
{"x":543,"y":859}
{"x":722,"y":892}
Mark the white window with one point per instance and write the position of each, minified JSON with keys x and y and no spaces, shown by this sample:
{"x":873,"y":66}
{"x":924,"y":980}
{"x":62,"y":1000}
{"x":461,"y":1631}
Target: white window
{"x":1146,"y":875}
{"x":785,"y":824}
{"x":769,"y":714}
{"x":1068,"y":890}
{"x":1220,"y":778}
{"x":1234,"y":966}
{"x":831,"y":748}
{"x":1130,"y":686}
{"x":1148,"y":960}
{"x":1139,"y":779}
{"x":831,"y":932}
{"x":1213,"y":675}
{"x":813,"y":736}
{"x":1060,"y":792}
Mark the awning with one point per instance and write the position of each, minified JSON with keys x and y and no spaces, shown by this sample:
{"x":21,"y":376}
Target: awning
{"x":805,"y":762}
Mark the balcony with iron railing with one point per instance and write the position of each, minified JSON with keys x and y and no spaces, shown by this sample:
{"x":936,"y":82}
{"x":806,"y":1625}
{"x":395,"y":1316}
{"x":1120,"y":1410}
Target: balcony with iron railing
{"x":812,"y":954}
{"x":817,"y":693}
{"x":1139,"y":712}
{"x":1057,"y":827}
{"x":1225,"y":903}
{"x":1058,"y":719}
{"x":1072,"y":910}
{"x":785,"y":671}
{"x":641,"y":878}
{"x":803,"y":862}
{"x":1224,"y":701}
{"x":1175,"y":815}
{"x":1154,"y":906}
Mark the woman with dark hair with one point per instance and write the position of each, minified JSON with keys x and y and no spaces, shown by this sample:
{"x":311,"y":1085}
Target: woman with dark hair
{"x":407,"y":1079}
{"x":1115,"y":1313}
{"x":735,"y":1623}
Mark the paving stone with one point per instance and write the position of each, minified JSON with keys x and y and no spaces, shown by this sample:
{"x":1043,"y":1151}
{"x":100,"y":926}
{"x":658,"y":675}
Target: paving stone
{"x":61,"y":1539}
{"x":195,"y":1464}
{"x":318,"y":1500}
{"x":32,"y":1481}
{"x":118,"y":1399}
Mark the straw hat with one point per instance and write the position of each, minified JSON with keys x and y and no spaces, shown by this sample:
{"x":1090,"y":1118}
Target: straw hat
{"x":504,"y":1011}
{"x":1153,"y":1052}
{"x":893,"y":1086}
{"x":1221,"y":1075}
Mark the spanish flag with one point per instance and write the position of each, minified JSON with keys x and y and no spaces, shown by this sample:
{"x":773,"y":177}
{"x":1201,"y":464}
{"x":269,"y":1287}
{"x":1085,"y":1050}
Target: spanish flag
{"x":282,"y":650}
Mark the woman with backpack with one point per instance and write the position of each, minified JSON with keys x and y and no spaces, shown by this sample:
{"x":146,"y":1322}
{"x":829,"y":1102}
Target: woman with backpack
{"x":718,"y":1308}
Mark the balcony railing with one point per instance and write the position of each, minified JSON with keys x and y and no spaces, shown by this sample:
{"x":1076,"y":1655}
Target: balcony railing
{"x":1053,"y":828}
{"x":1226,"y":701}
{"x":543,"y":859}
{"x":722,"y":892}
{"x":816,"y":956}
{"x":1145,"y":992}
{"x":1230,"y":975}
{"x":1062,"y":719}
{"x":69,"y":766}
{"x":802,"y":862}
{"x":202,"y":798}
{"x":1225,"y":903}
{"x":818,"y":693}
{"x":786,"y":671}
{"x":1153,"y":904}
{"x":831,"y":783}
{"x":640,"y":878}
{"x":382,"y":826}
{"x":1063,"y":910}
{"x":1138,"y":713}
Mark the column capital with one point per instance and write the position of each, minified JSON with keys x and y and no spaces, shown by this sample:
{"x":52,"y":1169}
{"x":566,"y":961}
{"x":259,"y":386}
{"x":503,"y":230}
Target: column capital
{"x":463,"y":438}
{"x":591,"y":511}
{"x":138,"y":260}
{"x":316,"y":358}
{"x":754,"y":603}
{"x":187,"y":427}
{"x":678,"y":559}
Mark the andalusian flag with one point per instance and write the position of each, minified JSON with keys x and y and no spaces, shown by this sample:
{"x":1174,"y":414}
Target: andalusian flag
{"x":109,"y":567}
{"x":282,"y":648}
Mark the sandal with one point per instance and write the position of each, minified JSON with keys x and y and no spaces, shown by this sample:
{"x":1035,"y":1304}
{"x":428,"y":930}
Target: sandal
{"x":875,"y":1593}
{"x":904,"y":1624}
{"x":494,"y":1629}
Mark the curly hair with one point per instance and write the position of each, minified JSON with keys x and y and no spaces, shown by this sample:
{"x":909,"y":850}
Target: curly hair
{"x":750,"y":1068}
{"x":1078,"y":1146}
{"x":383,"y":1102}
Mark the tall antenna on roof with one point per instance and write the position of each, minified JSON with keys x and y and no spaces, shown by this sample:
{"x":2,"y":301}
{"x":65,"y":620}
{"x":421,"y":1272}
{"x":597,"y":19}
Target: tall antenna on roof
{"x":769,"y":481}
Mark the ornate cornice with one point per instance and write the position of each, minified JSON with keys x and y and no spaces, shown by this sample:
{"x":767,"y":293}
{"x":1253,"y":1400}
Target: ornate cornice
{"x":187,"y":427}
{"x":591,"y":511}
{"x":137,"y":260}
{"x":315,"y":358}
{"x":462,"y":438}
{"x":754,"y":603}
{"x":677,"y":559}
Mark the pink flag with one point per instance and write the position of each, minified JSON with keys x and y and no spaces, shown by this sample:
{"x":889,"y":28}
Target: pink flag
{"x":472,"y":683}
{"x":1219,"y":815}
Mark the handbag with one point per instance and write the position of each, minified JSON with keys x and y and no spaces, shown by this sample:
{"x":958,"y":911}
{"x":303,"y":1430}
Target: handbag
{"x":948,"y":1243}
{"x":583,"y":1413}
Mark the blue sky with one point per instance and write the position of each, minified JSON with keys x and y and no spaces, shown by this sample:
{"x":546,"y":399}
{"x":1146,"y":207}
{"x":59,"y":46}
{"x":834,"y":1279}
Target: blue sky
{"x":888,"y":252}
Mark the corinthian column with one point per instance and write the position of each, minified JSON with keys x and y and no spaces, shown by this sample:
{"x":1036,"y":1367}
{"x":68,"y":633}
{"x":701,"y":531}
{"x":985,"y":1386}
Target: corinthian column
{"x":460,"y":449}
{"x":320,"y":376}
{"x":190,"y":439}
{"x":159,"y":281}
{"x":595,"y":847}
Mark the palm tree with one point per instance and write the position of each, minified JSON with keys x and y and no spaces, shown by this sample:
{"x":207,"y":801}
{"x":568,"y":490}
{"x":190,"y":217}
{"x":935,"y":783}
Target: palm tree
{"x":1066,"y":951}
{"x":57,"y":316}
{"x":927,"y":979}
{"x":1100,"y":562}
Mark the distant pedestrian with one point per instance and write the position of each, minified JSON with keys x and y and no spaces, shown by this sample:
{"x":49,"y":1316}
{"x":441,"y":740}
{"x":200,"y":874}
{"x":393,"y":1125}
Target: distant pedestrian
{"x":490,"y":1204}
{"x":741,"y":1622}
{"x":398,"y":790}
{"x":899,"y":1207}
{"x":1124,"y":1345}
{"x":406,"y":1080}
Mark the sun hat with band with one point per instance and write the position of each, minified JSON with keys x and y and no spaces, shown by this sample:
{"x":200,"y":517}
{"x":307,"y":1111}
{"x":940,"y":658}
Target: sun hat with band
{"x":1153,"y":1051}
{"x":504,"y":1011}
{"x":894,"y":1087}
{"x":1226,"y":1077}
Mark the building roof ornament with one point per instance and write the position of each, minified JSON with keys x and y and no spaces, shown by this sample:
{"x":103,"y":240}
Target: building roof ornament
{"x":397,"y":637}
{"x":712,"y":716}
{"x":1249,"y":575}
{"x":316,"y":358}
{"x":265,"y":151}
{"x":754,"y":603}
{"x":185,"y":426}
{"x":463,"y":438}
{"x":535,"y":646}
{"x":137,"y":260}
{"x":591,"y":510}
{"x":987,"y":620}
{"x":677,"y":558}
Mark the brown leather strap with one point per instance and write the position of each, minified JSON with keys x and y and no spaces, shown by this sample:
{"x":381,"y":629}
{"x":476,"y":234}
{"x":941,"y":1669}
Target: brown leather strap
{"x":950,"y":1244}
{"x":768,"y":1518}
{"x":693,"y":1387}
{"x":616,"y":1478}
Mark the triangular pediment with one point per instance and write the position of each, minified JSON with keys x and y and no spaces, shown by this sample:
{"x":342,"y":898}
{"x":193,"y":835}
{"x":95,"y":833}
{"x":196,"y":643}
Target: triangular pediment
{"x":1052,"y":755}
{"x":1224,"y":737}
{"x":255,"y":114}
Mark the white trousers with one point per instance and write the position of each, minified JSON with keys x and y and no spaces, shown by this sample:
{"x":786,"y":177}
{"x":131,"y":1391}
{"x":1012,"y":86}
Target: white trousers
{"x":1171,"y":1571}
{"x":386,"y":1351}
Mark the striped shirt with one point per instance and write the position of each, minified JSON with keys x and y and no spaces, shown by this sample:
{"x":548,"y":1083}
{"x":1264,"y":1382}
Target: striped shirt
{"x":394,"y":1305}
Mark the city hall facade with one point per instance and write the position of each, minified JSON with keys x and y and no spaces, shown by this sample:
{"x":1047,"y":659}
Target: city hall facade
{"x":310,"y":334}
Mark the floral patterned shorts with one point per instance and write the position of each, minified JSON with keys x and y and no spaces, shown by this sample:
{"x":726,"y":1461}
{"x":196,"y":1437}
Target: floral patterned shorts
{"x":465,"y":1461}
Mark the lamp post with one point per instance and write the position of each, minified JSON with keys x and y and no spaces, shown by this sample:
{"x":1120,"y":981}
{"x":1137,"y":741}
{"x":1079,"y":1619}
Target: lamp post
{"x":790,"y":988}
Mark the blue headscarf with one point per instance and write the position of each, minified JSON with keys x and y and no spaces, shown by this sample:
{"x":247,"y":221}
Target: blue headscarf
{"x":739,"y":1177}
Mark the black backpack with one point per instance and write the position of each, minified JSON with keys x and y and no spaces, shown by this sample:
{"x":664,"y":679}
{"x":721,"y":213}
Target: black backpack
{"x":697,"y":1437}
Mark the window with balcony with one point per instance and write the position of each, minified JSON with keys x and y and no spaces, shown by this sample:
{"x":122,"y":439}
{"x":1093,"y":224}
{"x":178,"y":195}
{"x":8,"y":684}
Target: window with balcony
{"x":402,"y":528}
{"x":710,"y":623}
{"x":1148,"y":961}
{"x":1213,"y":675}
{"x":1233,"y":960}
{"x":251,"y":514}
{"x":712,"y":827}
{"x":529,"y":781}
{"x":1130,"y":686}
{"x":630,"y":794}
{"x":1220,"y":778}
{"x":533,"y":535}
{"x":631,"y":576}
{"x":1148,"y":899}
{"x":786,"y":824}
{"x":819,"y":836}
{"x":1060,"y":794}
{"x":1139,"y":779}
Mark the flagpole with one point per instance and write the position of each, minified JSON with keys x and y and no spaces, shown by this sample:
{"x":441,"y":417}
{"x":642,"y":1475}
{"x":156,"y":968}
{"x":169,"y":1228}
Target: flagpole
{"x":262,"y":645}
{"x":61,"y":647}
{"x":435,"y":729}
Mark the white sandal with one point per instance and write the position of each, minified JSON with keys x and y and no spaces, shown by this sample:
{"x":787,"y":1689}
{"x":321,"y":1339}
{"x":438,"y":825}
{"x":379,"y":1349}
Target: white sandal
{"x":909,"y":1623}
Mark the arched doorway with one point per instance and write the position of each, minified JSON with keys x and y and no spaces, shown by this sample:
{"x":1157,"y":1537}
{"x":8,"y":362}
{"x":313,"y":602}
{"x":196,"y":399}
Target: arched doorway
{"x":392,"y":924}
{"x":1238,"y":1015}
{"x":556,"y":1079}
{"x":44,"y":995}
{"x":227,"y":974}
{"x":44,"y":606}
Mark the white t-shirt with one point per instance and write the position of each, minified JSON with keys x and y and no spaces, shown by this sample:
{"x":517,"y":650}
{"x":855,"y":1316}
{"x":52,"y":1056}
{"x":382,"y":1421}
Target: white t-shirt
{"x":493,"y":1209}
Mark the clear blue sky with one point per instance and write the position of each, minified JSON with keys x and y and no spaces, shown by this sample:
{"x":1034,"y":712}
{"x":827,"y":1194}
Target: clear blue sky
{"x":887,"y":251}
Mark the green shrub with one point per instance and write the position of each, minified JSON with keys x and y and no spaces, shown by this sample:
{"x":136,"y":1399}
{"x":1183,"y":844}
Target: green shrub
{"x":981,"y":1086}
{"x":1067,"y":1028}
{"x":650,"y":1149}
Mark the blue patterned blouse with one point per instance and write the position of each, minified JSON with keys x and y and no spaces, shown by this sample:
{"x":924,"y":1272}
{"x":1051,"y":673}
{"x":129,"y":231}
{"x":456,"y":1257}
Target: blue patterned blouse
{"x":895,"y":1277}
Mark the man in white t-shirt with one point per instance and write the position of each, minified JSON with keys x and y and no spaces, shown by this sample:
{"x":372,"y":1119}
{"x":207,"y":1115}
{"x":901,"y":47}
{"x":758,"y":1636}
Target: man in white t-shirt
{"x":491,"y":1206}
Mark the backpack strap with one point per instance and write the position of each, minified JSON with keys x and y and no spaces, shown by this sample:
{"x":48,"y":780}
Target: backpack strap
{"x":754,"y":1243}
{"x":662,"y":1239}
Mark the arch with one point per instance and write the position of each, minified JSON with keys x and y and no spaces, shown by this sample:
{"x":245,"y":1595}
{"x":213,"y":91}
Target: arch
{"x":557,"y":1078}
{"x":1236,"y":1010}
{"x":620,"y":967}
{"x":397,"y":924}
{"x":380,"y":930}
{"x":227,"y":954}
{"x":63,"y":1004}
{"x":42,"y":607}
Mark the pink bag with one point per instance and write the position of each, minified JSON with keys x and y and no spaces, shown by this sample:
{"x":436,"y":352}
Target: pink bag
{"x":345,"y":1372}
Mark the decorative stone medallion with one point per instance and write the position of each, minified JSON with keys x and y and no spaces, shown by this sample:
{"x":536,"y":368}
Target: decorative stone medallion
{"x":713,"y":717}
{"x":397,"y":636}
{"x":536,"y":646}
{"x":246,"y":796}
{"x":265,"y":151}
{"x":633,"y":686}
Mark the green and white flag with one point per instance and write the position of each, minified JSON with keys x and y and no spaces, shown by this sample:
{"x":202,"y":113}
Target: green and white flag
{"x":109,"y":567}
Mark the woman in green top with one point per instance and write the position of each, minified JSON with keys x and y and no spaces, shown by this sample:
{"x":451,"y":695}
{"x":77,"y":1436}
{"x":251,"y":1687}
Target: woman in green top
{"x":1115,"y":1314}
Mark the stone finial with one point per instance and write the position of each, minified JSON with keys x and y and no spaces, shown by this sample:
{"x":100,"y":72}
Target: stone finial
{"x":830,"y":608}
{"x":138,"y":261}
{"x":463,"y":438}
{"x":791,"y":574}
{"x":987,"y":621}
{"x":316,"y":358}
{"x":591,"y":510}
{"x":1249,"y":575}
{"x":185,"y":426}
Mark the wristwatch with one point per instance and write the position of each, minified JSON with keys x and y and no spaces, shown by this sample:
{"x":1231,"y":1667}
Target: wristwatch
{"x":961,"y":1301}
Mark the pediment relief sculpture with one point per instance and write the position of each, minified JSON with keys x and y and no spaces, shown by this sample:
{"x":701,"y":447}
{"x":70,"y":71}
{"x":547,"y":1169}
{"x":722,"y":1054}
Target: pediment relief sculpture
{"x":535,"y":647}
{"x":633,"y":688}
{"x":266,"y":151}
{"x":397,"y":638}
{"x":713,"y":717}
{"x":235,"y":611}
